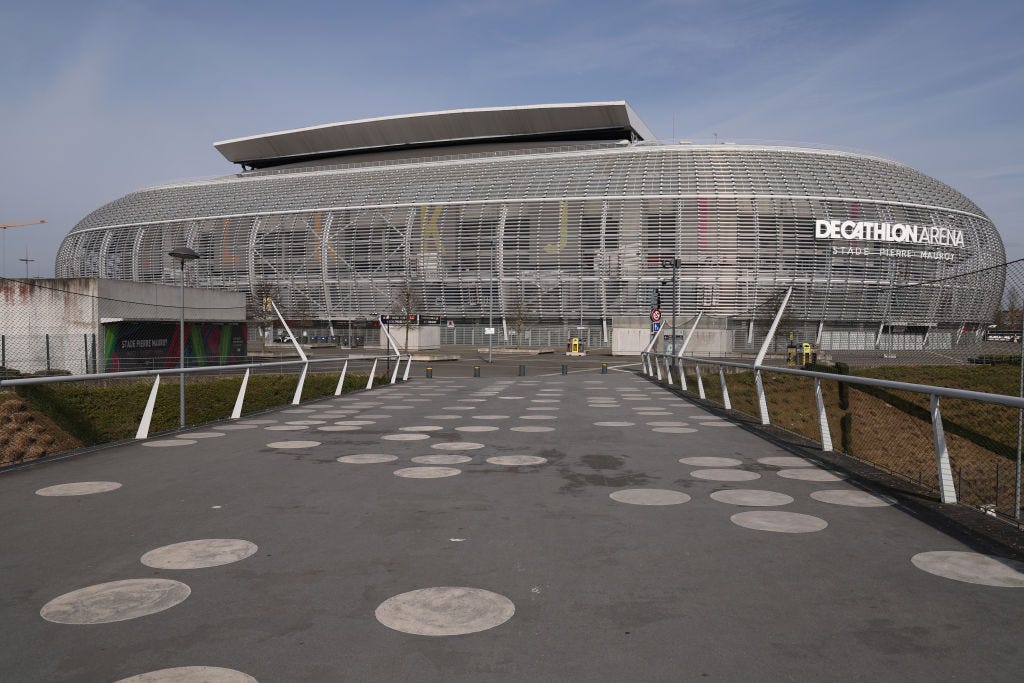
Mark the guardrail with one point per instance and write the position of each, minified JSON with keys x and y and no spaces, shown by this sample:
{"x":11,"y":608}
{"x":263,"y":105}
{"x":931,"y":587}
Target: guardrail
{"x":147,"y":416}
{"x":674,"y":371}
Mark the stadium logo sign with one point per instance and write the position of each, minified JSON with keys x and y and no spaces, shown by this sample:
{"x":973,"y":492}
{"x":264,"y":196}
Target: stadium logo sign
{"x":888,"y":232}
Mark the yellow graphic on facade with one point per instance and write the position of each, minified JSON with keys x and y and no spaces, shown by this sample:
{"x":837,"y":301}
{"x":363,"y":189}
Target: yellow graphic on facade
{"x":563,"y":230}
{"x":227,"y":248}
{"x":430,"y":229}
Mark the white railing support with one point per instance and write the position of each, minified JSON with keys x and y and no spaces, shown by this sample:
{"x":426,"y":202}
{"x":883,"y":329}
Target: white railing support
{"x":369,"y":380}
{"x":408,"y":367}
{"x":826,"y":433}
{"x":686,"y":342}
{"x":762,"y":402}
{"x":341,"y":379}
{"x":725,"y":389}
{"x":236,"y":412}
{"x":298,"y":389}
{"x":771,"y":330}
{"x":947,"y":490}
{"x":398,"y":364}
{"x":657,"y":366}
{"x":147,"y":414}
{"x":668,"y":371}
{"x":700,"y":382}
{"x":682,"y":375}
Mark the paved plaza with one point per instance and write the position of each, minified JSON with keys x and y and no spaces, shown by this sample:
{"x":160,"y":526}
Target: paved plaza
{"x":591,"y":527}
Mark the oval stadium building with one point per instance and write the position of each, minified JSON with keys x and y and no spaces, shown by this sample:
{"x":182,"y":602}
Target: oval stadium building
{"x":561,"y":215}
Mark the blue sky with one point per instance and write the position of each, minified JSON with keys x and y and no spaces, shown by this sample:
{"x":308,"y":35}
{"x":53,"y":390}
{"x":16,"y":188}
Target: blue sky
{"x":101,"y":98}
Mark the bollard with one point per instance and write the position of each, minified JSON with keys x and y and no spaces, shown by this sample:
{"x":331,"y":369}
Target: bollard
{"x":430,"y":372}
{"x":522,"y":371}
{"x":476,"y":370}
{"x":565,"y":369}
{"x":604,"y":368}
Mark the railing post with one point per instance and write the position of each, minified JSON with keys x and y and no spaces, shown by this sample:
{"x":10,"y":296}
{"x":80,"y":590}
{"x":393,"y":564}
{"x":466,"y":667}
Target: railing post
{"x":398,"y":364}
{"x":725,"y":389}
{"x":341,"y":379}
{"x":657,"y":366}
{"x":408,"y":367}
{"x":762,"y":402}
{"x":682,"y":375}
{"x":819,"y":401}
{"x":700,"y":382}
{"x":947,"y":490}
{"x":369,"y":381}
{"x":668,"y":371}
{"x":237,"y":411}
{"x":298,"y":389}
{"x":147,"y":414}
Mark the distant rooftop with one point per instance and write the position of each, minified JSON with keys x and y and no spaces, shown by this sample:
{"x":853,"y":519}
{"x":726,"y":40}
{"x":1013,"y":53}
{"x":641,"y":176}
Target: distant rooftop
{"x":545,"y":123}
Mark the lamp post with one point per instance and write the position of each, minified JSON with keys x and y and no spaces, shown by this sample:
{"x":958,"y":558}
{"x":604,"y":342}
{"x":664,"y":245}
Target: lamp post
{"x":183,"y":254}
{"x":490,"y":313}
{"x":674,"y":264}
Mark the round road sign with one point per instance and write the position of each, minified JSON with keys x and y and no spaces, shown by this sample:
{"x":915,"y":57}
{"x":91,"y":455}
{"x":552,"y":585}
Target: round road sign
{"x":655,"y":315}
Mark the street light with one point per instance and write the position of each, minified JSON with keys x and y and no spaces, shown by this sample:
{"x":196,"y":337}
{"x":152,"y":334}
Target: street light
{"x":674,"y":264}
{"x":182,"y":254}
{"x":490,"y":313}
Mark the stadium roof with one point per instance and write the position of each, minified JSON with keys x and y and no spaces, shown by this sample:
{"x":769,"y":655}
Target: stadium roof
{"x":583,"y":121}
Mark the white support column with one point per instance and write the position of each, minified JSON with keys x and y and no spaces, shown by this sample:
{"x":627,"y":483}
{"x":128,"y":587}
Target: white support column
{"x":369,"y":380}
{"x":700,"y":381}
{"x":771,"y":330}
{"x":236,"y":412}
{"x":878,"y":336}
{"x":341,"y":379}
{"x":682,"y":375}
{"x":298,"y":389}
{"x":762,"y":402}
{"x":408,"y":366}
{"x":725,"y":389}
{"x":689,"y":335}
{"x":288,"y":330}
{"x":947,"y":490}
{"x":819,"y":401}
{"x":147,"y":414}
{"x":817,"y":337}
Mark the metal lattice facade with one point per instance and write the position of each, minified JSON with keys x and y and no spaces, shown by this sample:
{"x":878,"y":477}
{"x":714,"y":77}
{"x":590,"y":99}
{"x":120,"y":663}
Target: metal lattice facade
{"x":558,"y":235}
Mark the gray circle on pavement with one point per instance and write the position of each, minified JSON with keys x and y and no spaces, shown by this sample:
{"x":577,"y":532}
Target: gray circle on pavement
{"x":810,"y":474}
{"x":427,"y":472}
{"x":293,"y":444}
{"x":405,"y":437}
{"x":79,"y":488}
{"x":336,"y":428}
{"x":236,"y":427}
{"x":191,"y":674}
{"x":779,"y":522}
{"x":516,"y":460}
{"x":857,"y":499}
{"x":477,"y":428}
{"x":457,"y":446}
{"x":441,"y":459}
{"x":199,"y":554}
{"x":786,"y":461}
{"x":204,"y":435}
{"x":985,"y":570}
{"x":709,"y":461}
{"x":284,"y":428}
{"x":725,"y":475}
{"x":115,"y":601}
{"x":752,"y":497}
{"x":445,"y":611}
{"x":538,"y":417}
{"x":649,"y":496}
{"x":421,"y":428}
{"x":614,"y":423}
{"x":366,"y":458}
{"x":531,"y":428}
{"x":674,"y":430}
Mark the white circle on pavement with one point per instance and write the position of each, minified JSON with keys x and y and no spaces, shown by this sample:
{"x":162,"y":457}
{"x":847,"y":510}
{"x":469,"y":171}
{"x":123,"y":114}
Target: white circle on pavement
{"x":490,"y":417}
{"x":115,"y":601}
{"x":512,"y":398}
{"x":237,"y":427}
{"x":459,"y":408}
{"x":444,"y":417}
{"x":710,"y":461}
{"x":857,"y":499}
{"x":653,"y":413}
{"x":516,"y":460}
{"x":674,"y":430}
{"x":985,"y":570}
{"x":708,"y":423}
{"x":284,"y":428}
{"x":366,"y":458}
{"x":780,"y":522}
{"x":538,"y":417}
{"x":649,"y":496}
{"x":441,"y":459}
{"x":405,"y":437}
{"x":299,"y":410}
{"x":293,"y":444}
{"x":204,"y":435}
{"x":752,"y":497}
{"x":393,"y":407}
{"x":336,"y":428}
{"x":543,"y":408}
{"x":810,"y":474}
{"x":725,"y":475}
{"x":545,"y":400}
{"x":421,"y":428}
{"x":79,"y":488}
{"x":614,"y":424}
{"x":477,"y":428}
{"x":305,"y":422}
{"x":191,"y":674}
{"x":458,"y":446}
{"x":169,"y":443}
{"x":786,"y":461}
{"x":427,"y":472}
{"x":531,"y":428}
{"x":372,"y":416}
{"x":445,"y":611}
{"x":667,"y":423}
{"x":473,"y":400}
{"x":199,"y":554}
{"x":354,"y":423}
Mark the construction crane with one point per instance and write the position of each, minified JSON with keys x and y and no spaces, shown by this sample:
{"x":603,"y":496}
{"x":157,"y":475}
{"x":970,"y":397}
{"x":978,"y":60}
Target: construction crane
{"x":3,"y":228}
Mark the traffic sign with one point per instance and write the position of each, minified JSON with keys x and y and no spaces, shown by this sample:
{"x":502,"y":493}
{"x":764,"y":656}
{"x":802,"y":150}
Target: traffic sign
{"x":451,"y":323}
{"x":655,"y":315}
{"x":655,"y":327}
{"x":488,"y":330}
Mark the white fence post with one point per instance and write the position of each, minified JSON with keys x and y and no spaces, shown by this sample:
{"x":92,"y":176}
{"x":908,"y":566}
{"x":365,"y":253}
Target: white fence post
{"x":826,"y":434}
{"x":947,"y":490}
{"x":147,"y":414}
{"x":762,"y":402}
{"x":408,"y":367}
{"x":725,"y":389}
{"x":302,"y":380}
{"x":341,"y":379}
{"x":236,"y":412}
{"x":700,"y":382}
{"x":682,"y":374}
{"x":369,"y":380}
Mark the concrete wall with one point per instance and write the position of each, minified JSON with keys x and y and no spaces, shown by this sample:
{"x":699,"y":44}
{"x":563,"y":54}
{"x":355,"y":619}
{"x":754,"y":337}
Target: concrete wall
{"x":414,"y":337}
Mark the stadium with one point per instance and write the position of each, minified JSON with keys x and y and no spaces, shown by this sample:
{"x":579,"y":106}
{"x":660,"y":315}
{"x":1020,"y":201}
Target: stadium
{"x":563,"y":216}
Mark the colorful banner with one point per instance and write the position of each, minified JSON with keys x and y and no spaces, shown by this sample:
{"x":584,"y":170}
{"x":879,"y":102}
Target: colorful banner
{"x":151,"y":345}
